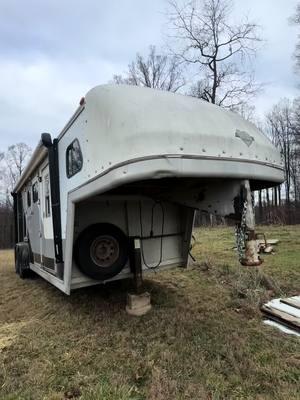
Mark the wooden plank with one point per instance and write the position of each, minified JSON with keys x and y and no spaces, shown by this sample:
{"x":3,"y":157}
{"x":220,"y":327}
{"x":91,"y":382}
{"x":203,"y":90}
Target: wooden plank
{"x":269,"y":241}
{"x":283,"y":327}
{"x":283,"y":322}
{"x":292,"y":301}
{"x":285,"y":308}
{"x":272,"y":312}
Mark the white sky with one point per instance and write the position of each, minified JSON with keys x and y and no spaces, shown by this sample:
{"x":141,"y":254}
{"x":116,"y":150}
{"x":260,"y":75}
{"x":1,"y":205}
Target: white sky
{"x":53,"y":52}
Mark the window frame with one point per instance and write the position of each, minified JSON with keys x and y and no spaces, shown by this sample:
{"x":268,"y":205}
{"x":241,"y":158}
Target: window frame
{"x":68,"y":149}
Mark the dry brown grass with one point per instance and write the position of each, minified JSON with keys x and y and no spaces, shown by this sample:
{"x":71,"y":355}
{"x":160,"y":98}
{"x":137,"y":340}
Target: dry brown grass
{"x":203,"y":339}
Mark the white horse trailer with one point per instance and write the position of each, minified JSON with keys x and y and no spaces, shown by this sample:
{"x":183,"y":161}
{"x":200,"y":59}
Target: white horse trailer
{"x":126,"y":174}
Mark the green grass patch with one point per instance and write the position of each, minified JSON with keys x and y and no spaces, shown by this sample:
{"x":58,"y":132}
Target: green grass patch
{"x":203,"y":338}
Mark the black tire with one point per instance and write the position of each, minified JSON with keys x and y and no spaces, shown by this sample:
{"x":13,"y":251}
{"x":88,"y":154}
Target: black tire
{"x":101,"y":251}
{"x":23,"y":263}
{"x":17,"y":262}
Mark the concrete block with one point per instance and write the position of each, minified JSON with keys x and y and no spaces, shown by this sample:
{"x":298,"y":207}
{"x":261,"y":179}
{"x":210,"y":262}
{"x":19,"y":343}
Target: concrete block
{"x":138,"y":304}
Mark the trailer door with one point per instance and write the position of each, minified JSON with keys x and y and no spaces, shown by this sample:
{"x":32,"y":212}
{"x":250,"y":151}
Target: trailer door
{"x":47,"y":240}
{"x":34,"y":219}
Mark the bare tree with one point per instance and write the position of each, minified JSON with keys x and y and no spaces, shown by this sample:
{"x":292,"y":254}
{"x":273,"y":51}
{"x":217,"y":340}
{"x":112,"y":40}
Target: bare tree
{"x":282,"y":126}
{"x":156,"y":71}
{"x":205,"y":38}
{"x":296,"y":150}
{"x":13,"y":163}
{"x":295,"y":19}
{"x":296,"y":106}
{"x":247,"y":111}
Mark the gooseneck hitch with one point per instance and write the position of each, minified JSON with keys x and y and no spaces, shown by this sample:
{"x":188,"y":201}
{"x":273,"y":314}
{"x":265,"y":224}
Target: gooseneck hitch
{"x":245,"y":230}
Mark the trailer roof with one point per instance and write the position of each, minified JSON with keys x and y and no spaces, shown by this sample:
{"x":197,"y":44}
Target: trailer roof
{"x":130,"y":122}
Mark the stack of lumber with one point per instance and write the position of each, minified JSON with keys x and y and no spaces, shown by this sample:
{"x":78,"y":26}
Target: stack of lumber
{"x":285,"y":312}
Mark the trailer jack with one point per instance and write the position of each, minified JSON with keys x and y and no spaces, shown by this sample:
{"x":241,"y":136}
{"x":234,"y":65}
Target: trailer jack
{"x":139,"y":302}
{"x":245,"y":232}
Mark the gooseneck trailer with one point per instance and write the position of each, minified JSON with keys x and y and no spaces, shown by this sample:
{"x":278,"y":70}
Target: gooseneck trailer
{"x":128,"y":171}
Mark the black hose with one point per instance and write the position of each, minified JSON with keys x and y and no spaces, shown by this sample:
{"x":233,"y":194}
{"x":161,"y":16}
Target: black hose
{"x":151,"y":233}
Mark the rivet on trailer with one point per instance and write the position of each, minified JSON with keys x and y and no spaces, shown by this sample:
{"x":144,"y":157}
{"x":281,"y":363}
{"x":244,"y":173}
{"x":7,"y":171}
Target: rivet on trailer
{"x":114,"y":194}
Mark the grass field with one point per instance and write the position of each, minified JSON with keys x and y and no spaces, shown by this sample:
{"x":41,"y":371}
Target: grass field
{"x":203,"y":339}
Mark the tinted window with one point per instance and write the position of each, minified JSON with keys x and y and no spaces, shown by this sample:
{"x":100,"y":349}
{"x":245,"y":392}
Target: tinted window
{"x":35,"y":193}
{"x":73,"y":158}
{"x":47,"y":197}
{"x":28,"y":198}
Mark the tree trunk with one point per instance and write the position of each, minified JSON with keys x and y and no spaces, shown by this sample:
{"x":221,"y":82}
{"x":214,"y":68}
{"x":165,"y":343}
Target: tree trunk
{"x":268,"y":197}
{"x":260,"y":206}
{"x":275,"y":197}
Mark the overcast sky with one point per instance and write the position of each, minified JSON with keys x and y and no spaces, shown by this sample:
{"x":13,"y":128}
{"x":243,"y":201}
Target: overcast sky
{"x":53,"y":52}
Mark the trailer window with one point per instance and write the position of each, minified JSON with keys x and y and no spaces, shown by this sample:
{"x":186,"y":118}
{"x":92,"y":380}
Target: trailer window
{"x":47,"y":197}
{"x":73,"y":158}
{"x":28,"y":198}
{"x":35,"y":193}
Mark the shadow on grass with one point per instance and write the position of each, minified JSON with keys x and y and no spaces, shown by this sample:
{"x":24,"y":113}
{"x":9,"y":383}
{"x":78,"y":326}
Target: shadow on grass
{"x":109,"y":298}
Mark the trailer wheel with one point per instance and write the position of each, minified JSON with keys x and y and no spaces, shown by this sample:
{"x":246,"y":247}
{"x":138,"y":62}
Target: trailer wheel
{"x":22,"y":261}
{"x":101,"y":251}
{"x":17,"y":262}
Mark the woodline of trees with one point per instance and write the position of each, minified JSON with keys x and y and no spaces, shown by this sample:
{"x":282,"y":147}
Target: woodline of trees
{"x":207,"y":56}
{"x":283,"y":123}
{"x":6,"y":227}
{"x":12,"y":164}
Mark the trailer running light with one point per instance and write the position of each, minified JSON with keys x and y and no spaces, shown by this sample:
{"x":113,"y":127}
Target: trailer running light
{"x":82,"y":101}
